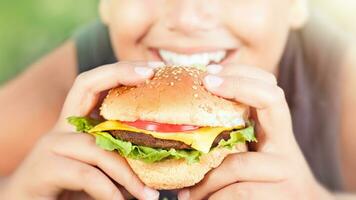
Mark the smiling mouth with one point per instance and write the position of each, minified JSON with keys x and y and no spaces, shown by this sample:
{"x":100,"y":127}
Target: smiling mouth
{"x":197,"y":60}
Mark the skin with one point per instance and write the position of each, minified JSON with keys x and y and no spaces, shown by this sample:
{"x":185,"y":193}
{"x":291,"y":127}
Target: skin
{"x":258,"y":41}
{"x":255,"y":31}
{"x":37,"y":99}
{"x":62,"y":160}
{"x":251,"y":174}
{"x":347,"y":126}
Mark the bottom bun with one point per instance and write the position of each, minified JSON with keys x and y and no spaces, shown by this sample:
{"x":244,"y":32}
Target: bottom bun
{"x":176,"y":174}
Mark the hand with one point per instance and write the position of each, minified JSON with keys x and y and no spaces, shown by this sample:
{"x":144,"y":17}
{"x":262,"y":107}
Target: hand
{"x":276,"y":169}
{"x":64,"y":160}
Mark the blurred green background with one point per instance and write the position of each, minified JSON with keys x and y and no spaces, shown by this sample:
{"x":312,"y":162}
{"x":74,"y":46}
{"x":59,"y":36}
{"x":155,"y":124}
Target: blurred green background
{"x":31,"y":28}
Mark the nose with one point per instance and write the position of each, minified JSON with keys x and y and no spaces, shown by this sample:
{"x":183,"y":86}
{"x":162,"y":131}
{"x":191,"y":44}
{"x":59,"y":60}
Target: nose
{"x":191,"y":16}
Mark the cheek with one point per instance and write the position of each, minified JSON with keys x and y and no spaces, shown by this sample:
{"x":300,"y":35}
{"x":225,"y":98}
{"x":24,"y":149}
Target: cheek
{"x":262,"y":27}
{"x":130,"y":21}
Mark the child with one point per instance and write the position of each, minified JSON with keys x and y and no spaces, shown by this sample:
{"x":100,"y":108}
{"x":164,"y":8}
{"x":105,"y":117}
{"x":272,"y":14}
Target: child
{"x":249,"y":43}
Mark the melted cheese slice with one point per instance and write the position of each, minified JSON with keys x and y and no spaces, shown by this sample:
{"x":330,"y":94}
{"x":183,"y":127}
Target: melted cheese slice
{"x":200,"y":139}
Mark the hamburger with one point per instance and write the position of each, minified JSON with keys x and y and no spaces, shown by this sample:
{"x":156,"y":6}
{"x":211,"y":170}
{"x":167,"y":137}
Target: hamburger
{"x":170,"y":129}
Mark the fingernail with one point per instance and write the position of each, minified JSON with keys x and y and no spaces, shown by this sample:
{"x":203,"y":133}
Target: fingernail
{"x":144,"y":71}
{"x":214,"y":69}
{"x":150,"y":194}
{"x":156,"y":64}
{"x":184,"y":195}
{"x":213,"y":81}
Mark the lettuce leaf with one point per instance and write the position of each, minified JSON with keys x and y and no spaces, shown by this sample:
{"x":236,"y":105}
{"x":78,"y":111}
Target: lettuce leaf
{"x":83,"y":124}
{"x":150,"y":155}
{"x":242,"y":135}
{"x":127,"y":149}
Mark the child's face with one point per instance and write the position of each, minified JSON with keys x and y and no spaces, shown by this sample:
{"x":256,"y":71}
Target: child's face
{"x":247,"y":32}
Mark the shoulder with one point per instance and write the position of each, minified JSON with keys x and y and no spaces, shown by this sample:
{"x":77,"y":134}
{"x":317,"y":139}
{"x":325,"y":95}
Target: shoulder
{"x":60,"y":63}
{"x":331,"y":55}
{"x":58,"y":67}
{"x":349,"y":61}
{"x":348,"y":86}
{"x":38,"y":93}
{"x":348,"y":110}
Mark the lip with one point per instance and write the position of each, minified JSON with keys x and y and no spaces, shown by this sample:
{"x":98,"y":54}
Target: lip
{"x":229,"y":55}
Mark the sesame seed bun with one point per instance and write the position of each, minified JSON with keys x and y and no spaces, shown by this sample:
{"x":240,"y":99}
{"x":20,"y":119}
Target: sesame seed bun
{"x":175,"y":95}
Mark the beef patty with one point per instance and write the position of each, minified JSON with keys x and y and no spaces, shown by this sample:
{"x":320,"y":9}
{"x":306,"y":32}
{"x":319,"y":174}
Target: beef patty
{"x":150,"y":141}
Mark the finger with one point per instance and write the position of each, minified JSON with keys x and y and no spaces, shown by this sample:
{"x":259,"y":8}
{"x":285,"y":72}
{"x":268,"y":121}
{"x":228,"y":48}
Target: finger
{"x":80,"y":195}
{"x":249,"y":166}
{"x":269,"y":101}
{"x":251,"y":91}
{"x":82,"y":147}
{"x":73,"y":175}
{"x":242,"y":71}
{"x":85,"y":91}
{"x":253,"y":191}
{"x":123,"y":191}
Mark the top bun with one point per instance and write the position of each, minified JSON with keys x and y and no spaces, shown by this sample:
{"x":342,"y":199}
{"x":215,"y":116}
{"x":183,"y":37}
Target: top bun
{"x":175,"y":95}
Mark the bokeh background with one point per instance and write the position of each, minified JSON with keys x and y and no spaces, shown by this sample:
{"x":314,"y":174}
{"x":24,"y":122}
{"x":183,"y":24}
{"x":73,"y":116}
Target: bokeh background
{"x":31,"y":28}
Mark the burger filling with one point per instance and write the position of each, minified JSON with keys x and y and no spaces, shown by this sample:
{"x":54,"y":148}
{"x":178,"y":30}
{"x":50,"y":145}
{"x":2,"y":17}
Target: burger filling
{"x":153,"y":146}
{"x":150,"y":141}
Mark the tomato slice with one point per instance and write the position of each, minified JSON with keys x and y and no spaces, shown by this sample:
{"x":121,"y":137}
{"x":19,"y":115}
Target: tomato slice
{"x":160,"y":127}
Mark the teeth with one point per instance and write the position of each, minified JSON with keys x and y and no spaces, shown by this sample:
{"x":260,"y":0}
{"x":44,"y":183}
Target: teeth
{"x":198,"y":60}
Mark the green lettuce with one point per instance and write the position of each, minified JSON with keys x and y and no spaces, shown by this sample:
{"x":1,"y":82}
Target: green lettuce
{"x":127,"y":149}
{"x":243,"y":135}
{"x":83,"y":124}
{"x":150,"y":155}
